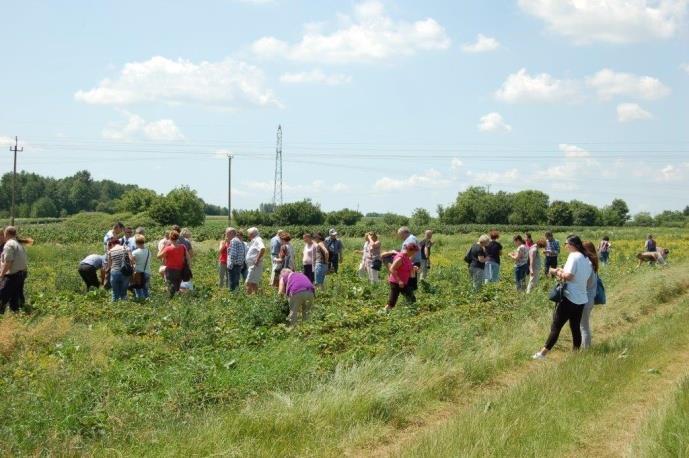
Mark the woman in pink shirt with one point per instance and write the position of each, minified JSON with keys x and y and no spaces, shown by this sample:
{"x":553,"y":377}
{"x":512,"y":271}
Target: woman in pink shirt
{"x":401,"y":270}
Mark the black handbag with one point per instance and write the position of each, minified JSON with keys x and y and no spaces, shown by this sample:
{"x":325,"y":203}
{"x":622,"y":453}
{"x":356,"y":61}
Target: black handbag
{"x":557,"y":294}
{"x":126,"y":268}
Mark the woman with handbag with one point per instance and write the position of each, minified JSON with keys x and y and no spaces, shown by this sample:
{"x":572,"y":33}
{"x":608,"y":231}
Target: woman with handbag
{"x":119,"y":268}
{"x":142,"y":267}
{"x":175,"y":257}
{"x":574,"y":277}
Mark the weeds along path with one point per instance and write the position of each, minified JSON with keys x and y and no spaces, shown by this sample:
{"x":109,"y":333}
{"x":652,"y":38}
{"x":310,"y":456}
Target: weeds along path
{"x":633,"y":306}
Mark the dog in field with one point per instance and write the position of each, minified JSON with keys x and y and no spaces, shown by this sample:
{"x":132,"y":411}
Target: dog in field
{"x":653,"y":257}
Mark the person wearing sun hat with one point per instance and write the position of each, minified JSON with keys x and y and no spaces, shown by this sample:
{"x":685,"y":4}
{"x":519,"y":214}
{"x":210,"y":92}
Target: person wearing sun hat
{"x":334,"y":250}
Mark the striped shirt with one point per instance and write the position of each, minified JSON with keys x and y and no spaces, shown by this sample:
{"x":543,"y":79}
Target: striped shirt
{"x":118,"y":254}
{"x":236,"y":252}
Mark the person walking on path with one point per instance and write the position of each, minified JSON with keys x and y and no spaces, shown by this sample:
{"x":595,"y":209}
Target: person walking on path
{"x":477,"y":261}
{"x":223,"y":276}
{"x":591,"y":290}
{"x":142,"y":268}
{"x":521,"y":262}
{"x":236,"y":259}
{"x":425,"y":246}
{"x":552,"y":252}
{"x":534,"y":265}
{"x":300,"y":294}
{"x":13,"y":270}
{"x":493,"y":253}
{"x":335,"y":249}
{"x":254,"y":260}
{"x":174,"y":256}
{"x":604,"y":248}
{"x":575,"y":274}
{"x":400,"y":274}
{"x":119,"y":263}
{"x":91,"y":268}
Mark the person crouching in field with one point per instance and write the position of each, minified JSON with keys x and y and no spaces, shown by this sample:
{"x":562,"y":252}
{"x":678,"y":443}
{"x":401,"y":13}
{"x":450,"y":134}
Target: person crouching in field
{"x":401,"y":272}
{"x":174,"y":256}
{"x":89,"y":269}
{"x":652,"y":257}
{"x":13,"y":270}
{"x":299,"y":292}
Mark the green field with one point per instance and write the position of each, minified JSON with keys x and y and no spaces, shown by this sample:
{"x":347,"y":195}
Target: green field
{"x":215,"y":373}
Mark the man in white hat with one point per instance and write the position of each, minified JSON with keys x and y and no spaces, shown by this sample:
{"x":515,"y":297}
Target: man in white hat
{"x":334,"y":246}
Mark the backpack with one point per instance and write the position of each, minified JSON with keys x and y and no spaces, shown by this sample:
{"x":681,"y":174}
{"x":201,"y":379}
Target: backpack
{"x":651,"y":245}
{"x":599,"y":298}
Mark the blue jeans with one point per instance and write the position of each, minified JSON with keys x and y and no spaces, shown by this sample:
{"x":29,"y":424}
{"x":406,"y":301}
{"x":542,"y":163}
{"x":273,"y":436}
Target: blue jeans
{"x":234,"y":273}
{"x":119,"y":284}
{"x":492,"y":272}
{"x":142,"y":293}
{"x":520,"y":276}
{"x":604,"y":256}
{"x":319,"y":273}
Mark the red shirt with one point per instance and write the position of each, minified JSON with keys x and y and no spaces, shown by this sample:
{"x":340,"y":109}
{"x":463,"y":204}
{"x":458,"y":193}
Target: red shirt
{"x":174,"y":256}
{"x":222,"y":256}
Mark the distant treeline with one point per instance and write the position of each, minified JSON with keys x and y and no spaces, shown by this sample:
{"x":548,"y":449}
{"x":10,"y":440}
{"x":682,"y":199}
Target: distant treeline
{"x":46,"y":197}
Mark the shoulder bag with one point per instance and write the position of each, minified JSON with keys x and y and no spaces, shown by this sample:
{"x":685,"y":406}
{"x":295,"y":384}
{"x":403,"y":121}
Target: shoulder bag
{"x":557,"y":294}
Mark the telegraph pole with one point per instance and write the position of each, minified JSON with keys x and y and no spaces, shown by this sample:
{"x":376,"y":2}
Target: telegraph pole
{"x":229,"y":189}
{"x":15,"y":150}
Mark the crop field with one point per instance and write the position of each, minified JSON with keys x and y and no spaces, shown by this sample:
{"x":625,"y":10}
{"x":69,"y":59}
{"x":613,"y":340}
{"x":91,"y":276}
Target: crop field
{"x":219,"y":373}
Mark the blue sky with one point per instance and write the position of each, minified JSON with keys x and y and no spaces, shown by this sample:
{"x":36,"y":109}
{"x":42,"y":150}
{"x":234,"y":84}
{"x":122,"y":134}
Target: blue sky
{"x":385,"y":105}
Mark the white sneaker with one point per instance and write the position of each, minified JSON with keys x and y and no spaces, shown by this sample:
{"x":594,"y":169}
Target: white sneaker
{"x":538,"y":355}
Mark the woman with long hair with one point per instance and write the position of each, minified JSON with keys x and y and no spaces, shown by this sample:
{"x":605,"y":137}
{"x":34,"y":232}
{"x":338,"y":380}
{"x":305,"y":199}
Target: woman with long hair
{"x":575,"y":274}
{"x":591,"y":289}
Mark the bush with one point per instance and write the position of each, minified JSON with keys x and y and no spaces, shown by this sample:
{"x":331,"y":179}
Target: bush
{"x":44,"y":207}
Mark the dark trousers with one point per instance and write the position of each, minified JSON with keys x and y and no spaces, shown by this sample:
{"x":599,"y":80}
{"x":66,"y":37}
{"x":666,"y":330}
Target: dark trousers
{"x":12,"y":291}
{"x":308,"y":271}
{"x":396,"y":290}
{"x":174,"y":279}
{"x":550,"y":261}
{"x":333,"y":263}
{"x":89,"y":274}
{"x":234,"y":272}
{"x":566,"y":311}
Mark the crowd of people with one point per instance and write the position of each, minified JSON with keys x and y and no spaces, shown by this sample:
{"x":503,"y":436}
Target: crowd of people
{"x":125,"y":268}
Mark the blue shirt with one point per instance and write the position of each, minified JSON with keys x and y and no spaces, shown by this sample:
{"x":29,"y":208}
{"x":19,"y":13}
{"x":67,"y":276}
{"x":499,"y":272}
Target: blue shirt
{"x":275,"y":246}
{"x":94,"y":260}
{"x":553,"y":246}
{"x":130,"y":243}
{"x":408,"y":241}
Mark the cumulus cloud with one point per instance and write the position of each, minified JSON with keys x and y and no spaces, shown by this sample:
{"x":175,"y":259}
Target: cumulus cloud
{"x":573,"y":151}
{"x":367,"y":35}
{"x":6,"y":141}
{"x":609,"y":21}
{"x":317,"y":77}
{"x":672,"y":173}
{"x":685,"y":67}
{"x":522,"y":87}
{"x":627,"y":112}
{"x":482,"y":44}
{"x":227,"y":84}
{"x":493,"y":122}
{"x":609,"y":84}
{"x":456,"y":164}
{"x":137,"y":127}
{"x":429,"y":179}
{"x":491,"y":177}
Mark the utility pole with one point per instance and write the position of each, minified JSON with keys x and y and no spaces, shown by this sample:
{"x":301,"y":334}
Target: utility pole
{"x":277,"y":184}
{"x":15,"y":150}
{"x":229,"y":189}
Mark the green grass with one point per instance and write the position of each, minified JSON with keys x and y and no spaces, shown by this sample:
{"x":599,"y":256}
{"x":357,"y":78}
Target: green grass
{"x":215,"y":372}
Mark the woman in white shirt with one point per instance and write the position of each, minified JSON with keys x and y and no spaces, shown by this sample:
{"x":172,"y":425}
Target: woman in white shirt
{"x":575,"y":274}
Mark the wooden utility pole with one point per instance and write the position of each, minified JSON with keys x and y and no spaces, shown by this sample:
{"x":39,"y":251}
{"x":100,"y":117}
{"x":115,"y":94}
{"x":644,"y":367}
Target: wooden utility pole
{"x":15,"y":150}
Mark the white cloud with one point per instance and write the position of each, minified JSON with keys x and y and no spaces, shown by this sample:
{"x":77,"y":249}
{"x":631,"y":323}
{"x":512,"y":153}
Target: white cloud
{"x":573,"y":151}
{"x":137,"y":127}
{"x":341,"y":187}
{"x":609,"y":84}
{"x":685,"y":67}
{"x":429,"y":179}
{"x":493,"y":122}
{"x":671,"y":173}
{"x":482,"y":44}
{"x":227,"y":84}
{"x":627,"y":112}
{"x":456,"y":164}
{"x":6,"y":141}
{"x":522,"y":87}
{"x":316,"y":76}
{"x":368,"y":35}
{"x":506,"y":177}
{"x":610,"y":21}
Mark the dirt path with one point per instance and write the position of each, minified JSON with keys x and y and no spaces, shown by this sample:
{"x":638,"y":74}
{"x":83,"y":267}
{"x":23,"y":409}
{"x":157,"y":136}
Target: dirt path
{"x":601,"y":445}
